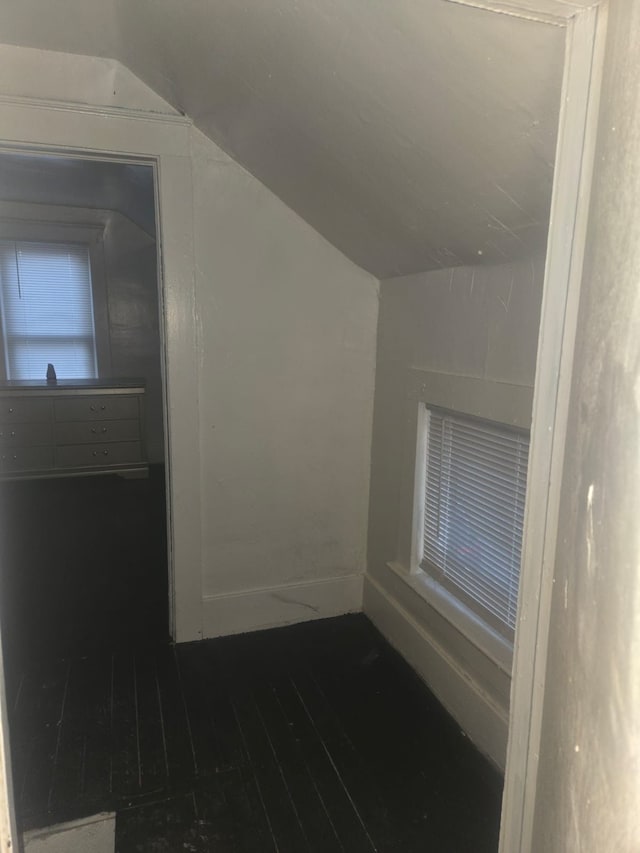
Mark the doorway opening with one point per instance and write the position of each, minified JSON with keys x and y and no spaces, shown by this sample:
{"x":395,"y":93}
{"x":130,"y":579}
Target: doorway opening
{"x":84,"y":546}
{"x":87,"y":130}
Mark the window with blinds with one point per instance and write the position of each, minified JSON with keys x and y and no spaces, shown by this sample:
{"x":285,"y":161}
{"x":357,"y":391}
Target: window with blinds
{"x":476,"y":480}
{"x":47,"y":310}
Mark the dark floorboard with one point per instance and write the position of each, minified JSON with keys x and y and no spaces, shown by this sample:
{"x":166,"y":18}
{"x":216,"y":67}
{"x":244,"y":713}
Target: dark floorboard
{"x":316,"y":737}
{"x":84,"y":566}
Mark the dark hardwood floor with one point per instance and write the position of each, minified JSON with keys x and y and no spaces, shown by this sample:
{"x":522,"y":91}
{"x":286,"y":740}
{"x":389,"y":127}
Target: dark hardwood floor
{"x":315,"y":737}
{"x":83,"y":566}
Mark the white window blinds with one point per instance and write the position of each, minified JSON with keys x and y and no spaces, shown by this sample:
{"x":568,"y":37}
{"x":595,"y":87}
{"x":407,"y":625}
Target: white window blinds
{"x":476,"y":480}
{"x":47,"y":310}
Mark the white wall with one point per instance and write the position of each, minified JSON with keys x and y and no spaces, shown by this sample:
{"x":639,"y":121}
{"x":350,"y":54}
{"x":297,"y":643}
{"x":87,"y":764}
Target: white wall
{"x":480,"y":322}
{"x":51,"y":76}
{"x":286,"y":344}
{"x":585,"y":773}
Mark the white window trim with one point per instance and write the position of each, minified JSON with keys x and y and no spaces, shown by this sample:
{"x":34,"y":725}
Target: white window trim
{"x":489,"y":399}
{"x":46,"y":231}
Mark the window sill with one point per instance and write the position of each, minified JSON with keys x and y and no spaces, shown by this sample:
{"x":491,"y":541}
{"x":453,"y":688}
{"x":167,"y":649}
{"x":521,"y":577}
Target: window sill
{"x":469,"y":624}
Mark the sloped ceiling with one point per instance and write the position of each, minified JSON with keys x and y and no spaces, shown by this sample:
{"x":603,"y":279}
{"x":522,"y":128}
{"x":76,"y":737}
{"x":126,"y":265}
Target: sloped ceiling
{"x":38,"y":179}
{"x":412,"y":134}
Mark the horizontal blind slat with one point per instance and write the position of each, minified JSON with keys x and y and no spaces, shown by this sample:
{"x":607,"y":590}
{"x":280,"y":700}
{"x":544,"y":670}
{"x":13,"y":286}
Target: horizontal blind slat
{"x":474,"y":508}
{"x":485,"y":517}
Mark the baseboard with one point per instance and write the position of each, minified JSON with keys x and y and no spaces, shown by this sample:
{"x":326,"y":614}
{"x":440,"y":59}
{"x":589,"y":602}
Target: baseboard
{"x":95,"y":834}
{"x":270,"y":607}
{"x":484,"y":722}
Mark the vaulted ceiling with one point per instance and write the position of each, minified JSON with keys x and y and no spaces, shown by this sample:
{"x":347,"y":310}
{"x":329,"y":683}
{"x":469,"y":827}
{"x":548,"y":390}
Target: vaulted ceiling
{"x":412,"y":134}
{"x":72,"y":182}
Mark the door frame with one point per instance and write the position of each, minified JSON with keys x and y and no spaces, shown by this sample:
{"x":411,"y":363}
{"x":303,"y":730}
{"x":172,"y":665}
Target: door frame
{"x":165,"y":140}
{"x":584,"y":22}
{"x":575,"y":150}
{"x":164,"y":143}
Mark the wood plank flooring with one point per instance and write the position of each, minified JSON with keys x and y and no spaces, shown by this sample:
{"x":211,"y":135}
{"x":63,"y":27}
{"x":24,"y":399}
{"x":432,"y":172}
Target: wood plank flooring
{"x":316,"y":737}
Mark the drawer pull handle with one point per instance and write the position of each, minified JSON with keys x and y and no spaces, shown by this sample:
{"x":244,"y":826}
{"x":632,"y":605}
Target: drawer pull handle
{"x":93,"y":408}
{"x":10,"y":411}
{"x":103,"y":408}
{"x":105,"y":452}
{"x":13,"y":433}
{"x":104,"y":429}
{"x":94,"y":430}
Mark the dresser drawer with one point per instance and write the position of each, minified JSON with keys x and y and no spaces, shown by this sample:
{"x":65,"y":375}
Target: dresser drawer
{"x":102,"y":407}
{"x":26,"y":459}
{"x":71,"y":429}
{"x":90,"y":455}
{"x":90,"y":432}
{"x":17,"y":410}
{"x":21,"y":435}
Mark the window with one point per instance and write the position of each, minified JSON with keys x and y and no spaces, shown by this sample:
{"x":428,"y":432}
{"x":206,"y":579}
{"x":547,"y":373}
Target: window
{"x":474,"y":496}
{"x":46,"y":302}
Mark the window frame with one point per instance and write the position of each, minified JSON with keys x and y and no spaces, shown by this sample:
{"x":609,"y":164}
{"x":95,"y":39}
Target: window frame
{"x":500,"y":402}
{"x":44,"y":231}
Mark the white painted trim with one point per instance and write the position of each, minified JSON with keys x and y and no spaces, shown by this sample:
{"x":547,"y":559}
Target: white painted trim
{"x":458,"y":615}
{"x":501,"y":402}
{"x":180,"y":368}
{"x":42,"y":126}
{"x":554,"y":12}
{"x":482,"y":397}
{"x":95,"y":834}
{"x":481,"y":718}
{"x":76,"y":107}
{"x":419,"y":490}
{"x":8,"y":827}
{"x":563,"y":273}
{"x":165,"y":143}
{"x":286,"y":604}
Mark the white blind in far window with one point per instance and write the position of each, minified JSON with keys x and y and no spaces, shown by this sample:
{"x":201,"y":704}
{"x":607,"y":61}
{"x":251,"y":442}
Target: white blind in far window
{"x":476,"y":482}
{"x":47,"y":310}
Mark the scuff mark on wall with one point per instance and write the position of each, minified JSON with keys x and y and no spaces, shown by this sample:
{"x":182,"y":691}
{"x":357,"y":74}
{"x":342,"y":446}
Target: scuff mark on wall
{"x":506,"y":304}
{"x":505,"y":228}
{"x":285,"y":600}
{"x":510,"y":197}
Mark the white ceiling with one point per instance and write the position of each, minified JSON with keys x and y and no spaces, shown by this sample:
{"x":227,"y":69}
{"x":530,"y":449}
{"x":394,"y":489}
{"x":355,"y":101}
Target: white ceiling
{"x":412,"y":134}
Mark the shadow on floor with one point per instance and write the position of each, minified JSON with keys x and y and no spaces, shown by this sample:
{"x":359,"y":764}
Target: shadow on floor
{"x":83,"y":566}
{"x":316,"y":737}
